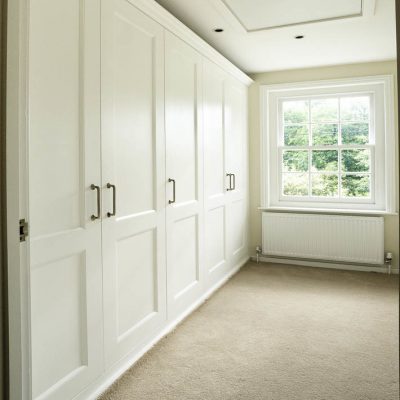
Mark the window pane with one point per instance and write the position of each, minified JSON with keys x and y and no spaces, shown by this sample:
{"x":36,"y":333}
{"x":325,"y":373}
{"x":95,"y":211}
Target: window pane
{"x":295,"y":112}
{"x":356,"y":160}
{"x":325,"y":185}
{"x":325,"y":160}
{"x":325,"y":134}
{"x":296,"y":161}
{"x":356,"y":185}
{"x":296,"y":135}
{"x":355,"y":133}
{"x":354,"y":108}
{"x":295,"y":184}
{"x":323,"y":110}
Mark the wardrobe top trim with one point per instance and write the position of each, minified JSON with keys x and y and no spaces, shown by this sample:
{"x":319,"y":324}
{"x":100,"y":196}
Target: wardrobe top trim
{"x":171,"y":23}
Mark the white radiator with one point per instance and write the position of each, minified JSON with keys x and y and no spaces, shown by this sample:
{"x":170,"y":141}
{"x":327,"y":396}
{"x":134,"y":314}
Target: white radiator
{"x":324,"y":237}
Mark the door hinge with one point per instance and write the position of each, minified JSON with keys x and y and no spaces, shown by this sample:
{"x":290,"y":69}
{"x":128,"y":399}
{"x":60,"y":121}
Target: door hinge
{"x":23,"y":230}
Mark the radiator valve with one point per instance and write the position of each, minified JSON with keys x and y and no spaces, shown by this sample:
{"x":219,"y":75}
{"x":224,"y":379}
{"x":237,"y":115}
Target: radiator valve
{"x":388,"y":262}
{"x":258,"y":253}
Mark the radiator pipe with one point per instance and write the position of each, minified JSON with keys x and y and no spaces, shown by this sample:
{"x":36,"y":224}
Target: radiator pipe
{"x":388,"y":262}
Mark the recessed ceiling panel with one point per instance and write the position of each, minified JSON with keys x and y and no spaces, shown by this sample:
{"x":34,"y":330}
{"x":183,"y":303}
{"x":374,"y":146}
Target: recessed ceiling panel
{"x":257,"y":15}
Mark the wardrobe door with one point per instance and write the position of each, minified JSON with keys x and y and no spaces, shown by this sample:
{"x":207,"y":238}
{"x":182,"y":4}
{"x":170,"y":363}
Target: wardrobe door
{"x":236,"y":164}
{"x":64,"y":161}
{"x":216,"y":182}
{"x":184,"y":177}
{"x":133,"y":151}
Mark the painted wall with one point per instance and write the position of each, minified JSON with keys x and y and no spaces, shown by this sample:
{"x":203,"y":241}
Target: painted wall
{"x":3,"y":253}
{"x":300,"y":75}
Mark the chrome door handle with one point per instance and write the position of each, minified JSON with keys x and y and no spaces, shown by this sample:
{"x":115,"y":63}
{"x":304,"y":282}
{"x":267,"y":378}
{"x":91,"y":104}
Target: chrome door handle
{"x":97,"y":188}
{"x":234,"y":182}
{"x":230,"y":182}
{"x":173,"y":191}
{"x":110,"y":186}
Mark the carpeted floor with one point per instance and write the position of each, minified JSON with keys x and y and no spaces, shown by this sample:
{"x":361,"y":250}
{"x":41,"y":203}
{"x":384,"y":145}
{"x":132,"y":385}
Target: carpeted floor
{"x":277,"y":332}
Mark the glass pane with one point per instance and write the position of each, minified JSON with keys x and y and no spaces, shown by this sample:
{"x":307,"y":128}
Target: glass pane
{"x":296,"y":135}
{"x":324,"y":110}
{"x":354,"y":108}
{"x":355,"y":133}
{"x":356,"y":160}
{"x":324,"y":160}
{"x":296,"y":161}
{"x":295,"y":184}
{"x":356,"y":185}
{"x":325,"y":185}
{"x":295,"y":112}
{"x":325,"y":134}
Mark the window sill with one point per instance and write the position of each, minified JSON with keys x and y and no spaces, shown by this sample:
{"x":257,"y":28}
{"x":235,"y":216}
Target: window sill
{"x":327,"y":211}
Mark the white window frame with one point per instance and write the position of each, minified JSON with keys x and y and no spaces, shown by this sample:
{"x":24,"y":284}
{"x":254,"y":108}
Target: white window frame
{"x":383,"y":151}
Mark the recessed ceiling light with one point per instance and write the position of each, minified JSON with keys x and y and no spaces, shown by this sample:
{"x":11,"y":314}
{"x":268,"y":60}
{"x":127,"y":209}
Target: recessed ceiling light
{"x":218,"y":30}
{"x":299,"y":37}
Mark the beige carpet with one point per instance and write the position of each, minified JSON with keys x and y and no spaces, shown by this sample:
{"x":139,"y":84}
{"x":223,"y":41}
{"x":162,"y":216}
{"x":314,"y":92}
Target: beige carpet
{"x":278,"y":332}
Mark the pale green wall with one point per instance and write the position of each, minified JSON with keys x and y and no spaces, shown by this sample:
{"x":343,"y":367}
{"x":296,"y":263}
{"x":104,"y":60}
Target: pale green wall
{"x":300,"y":75}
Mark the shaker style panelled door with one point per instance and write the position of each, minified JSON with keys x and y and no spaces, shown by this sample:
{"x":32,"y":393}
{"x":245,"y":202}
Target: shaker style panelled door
{"x":216,"y":181}
{"x":184,"y":178}
{"x":225,"y":180}
{"x":65,"y":229}
{"x":236,"y":165}
{"x":133,"y":171}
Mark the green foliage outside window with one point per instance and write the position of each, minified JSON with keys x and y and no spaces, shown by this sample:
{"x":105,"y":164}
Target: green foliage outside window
{"x":355,"y":133}
{"x":324,"y":134}
{"x":316,"y":122}
{"x":355,"y":185}
{"x":296,"y":135}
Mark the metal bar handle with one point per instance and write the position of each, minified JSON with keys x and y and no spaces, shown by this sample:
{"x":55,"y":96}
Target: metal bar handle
{"x":97,"y":188}
{"x":110,"y":186}
{"x":173,"y":191}
{"x":230,"y":182}
{"x":234,"y":181}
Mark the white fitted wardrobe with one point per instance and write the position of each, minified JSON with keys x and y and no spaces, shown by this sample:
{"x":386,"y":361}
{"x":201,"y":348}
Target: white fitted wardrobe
{"x":136,"y":185}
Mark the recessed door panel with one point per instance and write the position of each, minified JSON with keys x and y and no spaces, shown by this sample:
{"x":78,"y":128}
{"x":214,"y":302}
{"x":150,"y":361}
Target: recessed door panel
{"x":59,"y":321}
{"x":133,"y":168}
{"x":235,"y":136}
{"x":55,"y":116}
{"x":181,"y":122}
{"x":64,"y":161}
{"x":215,"y":239}
{"x":237,"y":226}
{"x":214,"y":143}
{"x":133,"y":99}
{"x":184,"y":260}
{"x":184,"y":180}
{"x":136,"y":280}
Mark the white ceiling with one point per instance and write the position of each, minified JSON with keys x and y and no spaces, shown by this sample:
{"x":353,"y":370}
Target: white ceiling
{"x":259,"y":34}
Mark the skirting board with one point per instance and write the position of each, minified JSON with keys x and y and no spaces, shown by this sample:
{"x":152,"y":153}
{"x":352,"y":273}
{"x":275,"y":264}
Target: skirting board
{"x":322,"y":264}
{"x":99,"y":386}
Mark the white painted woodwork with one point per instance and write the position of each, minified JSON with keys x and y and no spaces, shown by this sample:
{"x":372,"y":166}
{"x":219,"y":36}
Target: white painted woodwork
{"x":235,"y":121}
{"x":116,"y":98}
{"x":64,"y":160}
{"x":225,"y":152}
{"x":133,"y":160}
{"x":216,"y":182}
{"x":184,"y":155}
